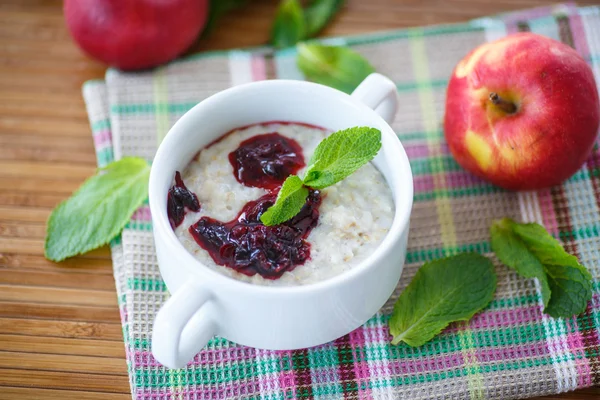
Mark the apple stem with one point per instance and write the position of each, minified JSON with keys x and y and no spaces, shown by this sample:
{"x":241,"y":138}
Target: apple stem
{"x":506,"y":106}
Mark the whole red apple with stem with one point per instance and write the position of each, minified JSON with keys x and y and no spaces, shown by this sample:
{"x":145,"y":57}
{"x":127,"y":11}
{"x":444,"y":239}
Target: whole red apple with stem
{"x":135,"y":34}
{"x":522,"y":112}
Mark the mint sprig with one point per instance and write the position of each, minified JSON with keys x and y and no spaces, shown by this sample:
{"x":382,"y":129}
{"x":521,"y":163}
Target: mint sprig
{"x":289,"y":26}
{"x":293,"y":23}
{"x":289,"y":202}
{"x":334,"y":66}
{"x":455,"y":288}
{"x":335,"y":158}
{"x":319,"y":13}
{"x":98,"y":210}
{"x":566,"y":285}
{"x":442,"y":291}
{"x":340,"y":154}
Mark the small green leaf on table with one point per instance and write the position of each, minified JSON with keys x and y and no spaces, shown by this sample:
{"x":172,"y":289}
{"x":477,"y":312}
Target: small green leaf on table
{"x":340,"y":154}
{"x":319,"y":13}
{"x":289,"y":202}
{"x":334,"y":66}
{"x":98,"y":210}
{"x":442,"y":291}
{"x":289,"y":26}
{"x":566,"y":285}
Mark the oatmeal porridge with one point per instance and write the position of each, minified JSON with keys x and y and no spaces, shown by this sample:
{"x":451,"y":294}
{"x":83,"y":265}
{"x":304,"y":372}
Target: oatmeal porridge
{"x":215,"y":203}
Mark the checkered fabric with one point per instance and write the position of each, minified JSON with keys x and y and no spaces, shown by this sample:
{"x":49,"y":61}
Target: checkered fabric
{"x":510,"y":350}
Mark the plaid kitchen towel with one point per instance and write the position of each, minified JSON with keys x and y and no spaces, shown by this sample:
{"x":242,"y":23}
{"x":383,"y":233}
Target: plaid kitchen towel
{"x":511,"y":350}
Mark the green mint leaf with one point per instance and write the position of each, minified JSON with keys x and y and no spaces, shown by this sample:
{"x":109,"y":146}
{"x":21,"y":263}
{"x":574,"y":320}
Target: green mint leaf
{"x":566,"y":284}
{"x":340,"y":154}
{"x":443,"y":291}
{"x":570,"y":282}
{"x":571,"y":289}
{"x":289,"y":26}
{"x":336,"y":157}
{"x":319,"y":13}
{"x":289,"y":202}
{"x":511,"y":250}
{"x":334,"y":66}
{"x":547,"y":249}
{"x":98,"y":210}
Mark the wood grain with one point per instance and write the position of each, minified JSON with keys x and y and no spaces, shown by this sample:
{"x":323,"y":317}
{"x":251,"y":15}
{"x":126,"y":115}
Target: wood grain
{"x":65,"y":380}
{"x":59,"y":345}
{"x":60,"y":335}
{"x":58,"y":312}
{"x":35,"y":393}
{"x":40,"y":328}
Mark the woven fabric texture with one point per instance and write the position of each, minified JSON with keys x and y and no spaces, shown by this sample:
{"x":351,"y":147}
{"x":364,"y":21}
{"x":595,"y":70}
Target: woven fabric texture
{"x":511,"y":350}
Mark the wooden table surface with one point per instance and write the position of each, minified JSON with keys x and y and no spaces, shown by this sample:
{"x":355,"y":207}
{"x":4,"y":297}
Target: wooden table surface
{"x":60,"y":335}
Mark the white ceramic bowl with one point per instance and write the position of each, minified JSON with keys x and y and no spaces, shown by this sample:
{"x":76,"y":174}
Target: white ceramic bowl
{"x":205,"y":303}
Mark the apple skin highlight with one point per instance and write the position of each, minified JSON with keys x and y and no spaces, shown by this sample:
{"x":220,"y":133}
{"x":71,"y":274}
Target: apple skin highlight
{"x":522,"y":112}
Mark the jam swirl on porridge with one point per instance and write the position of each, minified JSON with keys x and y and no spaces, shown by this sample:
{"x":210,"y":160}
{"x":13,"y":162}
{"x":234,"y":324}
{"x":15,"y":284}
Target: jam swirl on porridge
{"x":265,"y":161}
{"x":178,"y":199}
{"x":245,"y":244}
{"x":249,"y":247}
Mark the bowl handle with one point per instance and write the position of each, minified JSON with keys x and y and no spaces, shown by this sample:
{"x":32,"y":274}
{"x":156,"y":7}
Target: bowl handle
{"x":379,"y":93}
{"x":183,"y":326}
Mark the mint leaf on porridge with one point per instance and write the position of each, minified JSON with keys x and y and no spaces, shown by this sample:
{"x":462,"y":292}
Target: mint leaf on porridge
{"x":442,"y":291}
{"x":532,"y":252}
{"x":334,"y":66}
{"x":289,"y":202}
{"x":340,"y":154}
{"x":289,"y":26}
{"x":335,"y":158}
{"x":98,"y":210}
{"x":318,"y":13}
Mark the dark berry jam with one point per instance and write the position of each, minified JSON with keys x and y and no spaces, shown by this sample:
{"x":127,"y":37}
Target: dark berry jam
{"x":249,"y":247}
{"x":245,"y":244}
{"x":178,"y":199}
{"x":265,"y":161}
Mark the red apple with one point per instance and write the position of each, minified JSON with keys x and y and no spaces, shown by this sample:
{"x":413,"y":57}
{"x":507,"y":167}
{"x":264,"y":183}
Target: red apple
{"x":135,"y":34}
{"x":522,"y":112}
